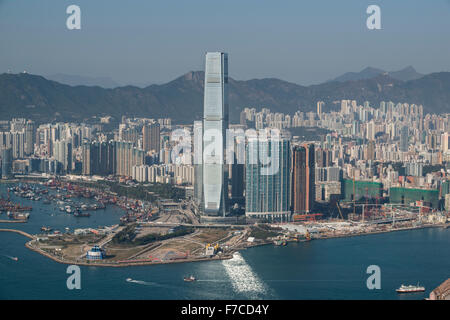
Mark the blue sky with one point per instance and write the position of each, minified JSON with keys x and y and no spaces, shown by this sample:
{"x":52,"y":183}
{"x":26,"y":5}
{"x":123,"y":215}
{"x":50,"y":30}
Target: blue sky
{"x":305,"y":42}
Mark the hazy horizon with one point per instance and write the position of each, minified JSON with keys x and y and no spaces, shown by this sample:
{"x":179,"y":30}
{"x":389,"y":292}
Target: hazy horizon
{"x":154,"y":42}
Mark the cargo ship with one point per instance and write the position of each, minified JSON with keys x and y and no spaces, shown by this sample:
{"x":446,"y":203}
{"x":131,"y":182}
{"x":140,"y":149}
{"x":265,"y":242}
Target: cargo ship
{"x":410,"y":289}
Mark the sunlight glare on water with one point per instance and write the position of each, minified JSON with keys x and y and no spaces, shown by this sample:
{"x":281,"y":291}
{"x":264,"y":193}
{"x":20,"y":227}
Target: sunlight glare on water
{"x":242,"y":277}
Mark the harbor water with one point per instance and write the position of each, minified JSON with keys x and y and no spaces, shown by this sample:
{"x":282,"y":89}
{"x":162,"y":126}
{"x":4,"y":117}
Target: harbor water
{"x":320,"y":269}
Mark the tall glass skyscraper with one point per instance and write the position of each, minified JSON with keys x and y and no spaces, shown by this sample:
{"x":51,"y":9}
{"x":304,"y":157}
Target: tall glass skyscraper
{"x":267,"y":196}
{"x":215,"y":122}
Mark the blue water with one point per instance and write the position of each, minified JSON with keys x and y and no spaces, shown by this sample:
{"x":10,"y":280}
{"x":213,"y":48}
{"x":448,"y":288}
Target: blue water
{"x":321,"y":269}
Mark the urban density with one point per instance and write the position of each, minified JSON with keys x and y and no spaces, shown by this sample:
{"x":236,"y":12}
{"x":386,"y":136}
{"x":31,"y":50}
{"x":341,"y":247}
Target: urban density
{"x":351,"y":168}
{"x":226,"y":159}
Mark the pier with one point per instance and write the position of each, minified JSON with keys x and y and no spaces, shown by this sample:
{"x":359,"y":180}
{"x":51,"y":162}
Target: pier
{"x":19,"y":232}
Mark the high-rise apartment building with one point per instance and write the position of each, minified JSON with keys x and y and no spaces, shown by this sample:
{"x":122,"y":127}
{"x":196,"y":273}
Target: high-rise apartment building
{"x":98,"y":158}
{"x":320,"y":105}
{"x":404,"y":139}
{"x":127,"y":156}
{"x":198,"y":163}
{"x":151,"y":137}
{"x":267,"y":194}
{"x":303,"y":178}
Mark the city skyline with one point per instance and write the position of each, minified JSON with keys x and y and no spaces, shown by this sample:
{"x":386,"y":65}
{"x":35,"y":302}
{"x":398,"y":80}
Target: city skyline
{"x":130,"y":148}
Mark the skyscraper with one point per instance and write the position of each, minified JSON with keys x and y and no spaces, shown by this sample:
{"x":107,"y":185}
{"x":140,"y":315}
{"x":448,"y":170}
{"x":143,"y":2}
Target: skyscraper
{"x":151,"y":137}
{"x":320,"y":105}
{"x":98,"y":158}
{"x":215,"y":122}
{"x":404,"y":139}
{"x":267,"y":195}
{"x":198,"y":166}
{"x":126,"y":156}
{"x":303,"y":178}
{"x":6,"y":163}
{"x":62,"y":152}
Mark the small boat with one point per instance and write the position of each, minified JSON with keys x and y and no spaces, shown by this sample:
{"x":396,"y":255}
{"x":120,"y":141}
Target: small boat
{"x":80,"y":214}
{"x":129,"y":279}
{"x":410,"y":289}
{"x":189,"y":279}
{"x":279,"y":242}
{"x":15,"y":258}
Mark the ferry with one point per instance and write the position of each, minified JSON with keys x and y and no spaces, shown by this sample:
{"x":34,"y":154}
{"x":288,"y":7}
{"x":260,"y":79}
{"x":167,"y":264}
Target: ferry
{"x":189,"y":279}
{"x":410,"y":289}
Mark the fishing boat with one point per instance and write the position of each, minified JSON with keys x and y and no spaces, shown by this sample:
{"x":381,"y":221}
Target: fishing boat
{"x":46,"y":229}
{"x":80,"y":214}
{"x":191,"y":278}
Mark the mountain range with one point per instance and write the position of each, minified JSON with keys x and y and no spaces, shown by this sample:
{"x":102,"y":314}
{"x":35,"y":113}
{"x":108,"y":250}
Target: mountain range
{"x":35,"y":97}
{"x":406,"y":74}
{"x":75,"y":80}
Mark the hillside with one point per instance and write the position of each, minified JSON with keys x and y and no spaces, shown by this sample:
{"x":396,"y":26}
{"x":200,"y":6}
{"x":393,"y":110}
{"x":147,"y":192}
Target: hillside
{"x":32,"y":96}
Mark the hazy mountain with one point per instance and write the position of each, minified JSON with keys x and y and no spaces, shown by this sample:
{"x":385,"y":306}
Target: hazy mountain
{"x":406,"y":74}
{"x":74,"y":80}
{"x":366,"y":73}
{"x":26,"y":95}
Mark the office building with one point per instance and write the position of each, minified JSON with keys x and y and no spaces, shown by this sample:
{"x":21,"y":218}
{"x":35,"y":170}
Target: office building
{"x":215,"y":122}
{"x":6,"y":163}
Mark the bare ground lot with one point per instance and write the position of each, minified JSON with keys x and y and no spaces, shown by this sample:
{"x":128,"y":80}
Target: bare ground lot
{"x":184,"y":247}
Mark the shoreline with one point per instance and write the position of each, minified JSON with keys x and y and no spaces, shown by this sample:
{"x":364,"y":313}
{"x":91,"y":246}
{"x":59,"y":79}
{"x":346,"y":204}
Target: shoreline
{"x":121,"y":264}
{"x":130,"y":263}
